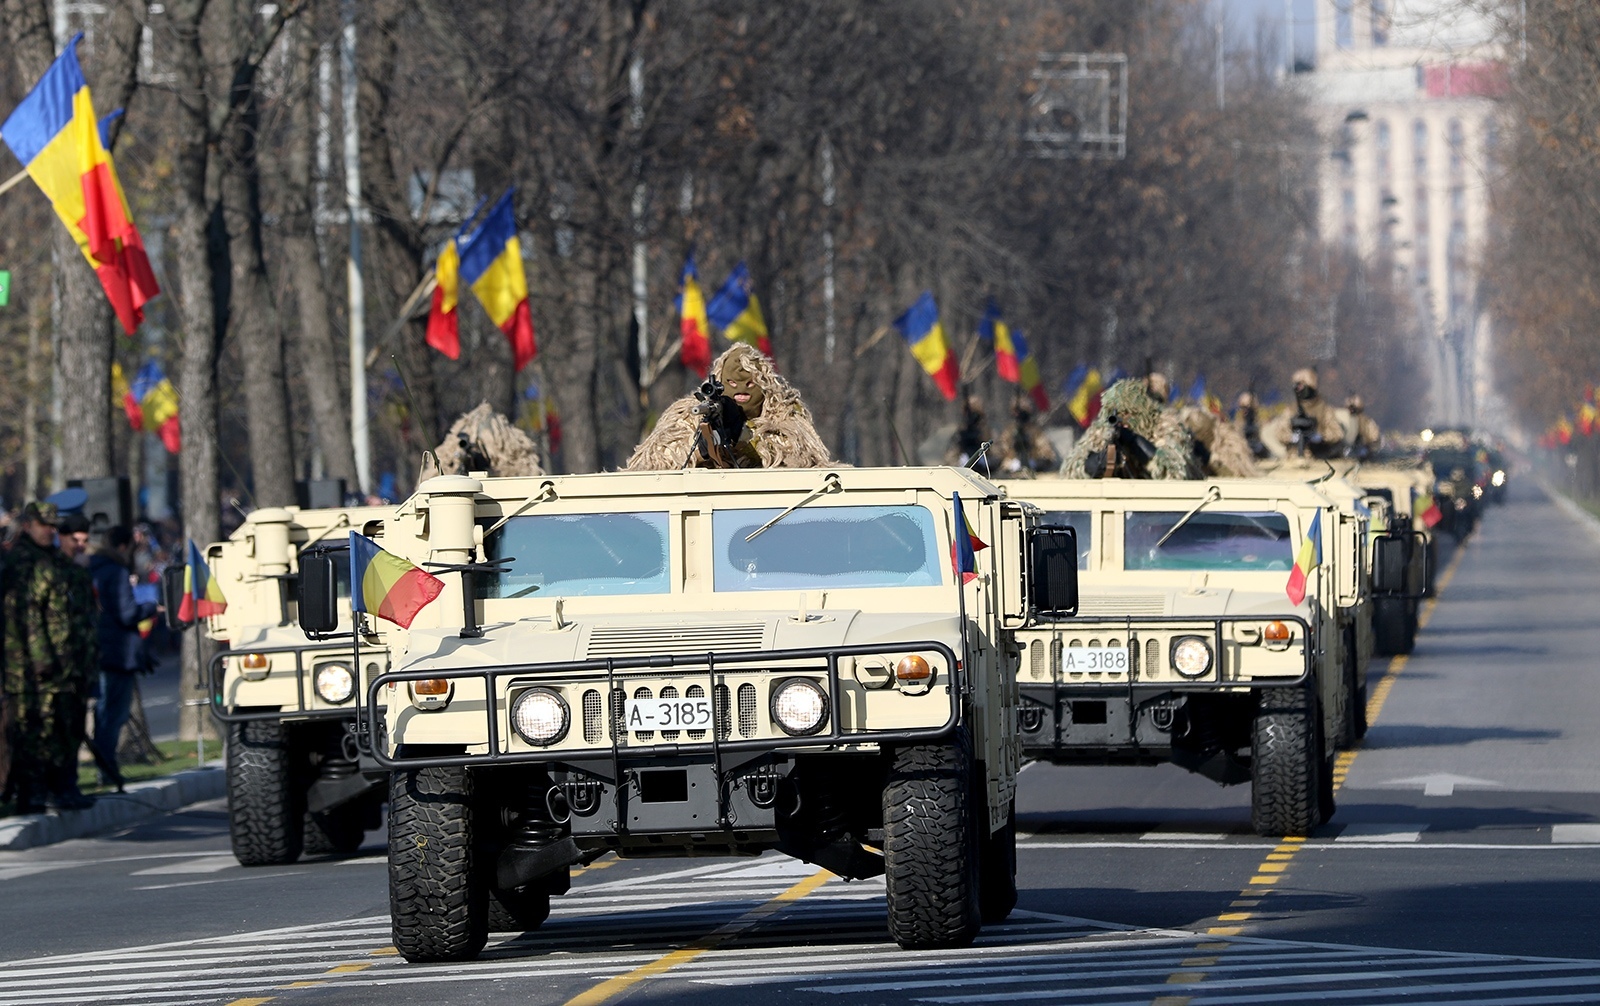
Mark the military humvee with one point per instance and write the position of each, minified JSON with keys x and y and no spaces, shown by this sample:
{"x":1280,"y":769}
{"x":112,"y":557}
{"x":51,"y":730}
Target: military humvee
{"x":708,"y":663}
{"x":1187,"y":647}
{"x":1401,"y":546}
{"x":296,"y":782}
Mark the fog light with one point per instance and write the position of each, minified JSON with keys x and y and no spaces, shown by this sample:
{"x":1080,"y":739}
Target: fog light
{"x":540,"y":716}
{"x":430,"y":693}
{"x":253,"y":666}
{"x":799,"y":706}
{"x":1276,"y":632}
{"x":334,"y":683}
{"x":913,"y":668}
{"x":1191,"y":656}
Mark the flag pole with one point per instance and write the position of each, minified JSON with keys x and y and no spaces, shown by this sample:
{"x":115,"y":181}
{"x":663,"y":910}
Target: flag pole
{"x":13,"y":181}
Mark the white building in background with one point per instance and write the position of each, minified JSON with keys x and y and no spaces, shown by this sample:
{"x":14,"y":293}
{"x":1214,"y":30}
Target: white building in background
{"x":1407,"y":91}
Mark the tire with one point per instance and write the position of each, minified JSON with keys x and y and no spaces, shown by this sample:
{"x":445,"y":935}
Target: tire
{"x":521,"y":910}
{"x":997,"y":871}
{"x":930,"y":848}
{"x":1361,"y":712}
{"x":335,"y":832}
{"x":1393,"y":628}
{"x":438,"y":909}
{"x":1286,"y":763}
{"x":1345,"y":726}
{"x":264,"y":807}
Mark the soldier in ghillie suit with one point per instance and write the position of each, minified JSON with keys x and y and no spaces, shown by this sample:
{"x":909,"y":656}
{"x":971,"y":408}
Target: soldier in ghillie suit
{"x":49,"y":646}
{"x":1023,"y":450}
{"x":1220,"y":450}
{"x":744,"y":416}
{"x":485,"y":441}
{"x":1132,"y":437}
{"x":1309,"y":426}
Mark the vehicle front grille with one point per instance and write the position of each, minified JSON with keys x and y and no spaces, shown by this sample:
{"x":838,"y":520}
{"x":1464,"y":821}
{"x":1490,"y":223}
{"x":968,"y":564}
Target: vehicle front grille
{"x":1104,"y":605}
{"x":747,"y":710}
{"x":646,"y":640}
{"x":693,"y":692}
{"x":668,"y":692}
{"x":1152,"y":657}
{"x":645,"y":693}
{"x":591,"y":716}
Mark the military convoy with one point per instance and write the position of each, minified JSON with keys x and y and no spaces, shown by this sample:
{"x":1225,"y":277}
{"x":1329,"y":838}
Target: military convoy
{"x":297,"y":781}
{"x":689,"y":663}
{"x":1187,"y":647}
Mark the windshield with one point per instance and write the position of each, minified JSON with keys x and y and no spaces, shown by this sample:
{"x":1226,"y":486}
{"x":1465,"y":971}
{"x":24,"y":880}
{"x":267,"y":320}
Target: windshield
{"x":1079,"y":521}
{"x":580,"y":555}
{"x":858,"y":546}
{"x":1239,"y":541}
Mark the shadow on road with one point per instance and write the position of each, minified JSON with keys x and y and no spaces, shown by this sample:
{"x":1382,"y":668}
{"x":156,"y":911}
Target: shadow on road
{"x":1393,"y":736}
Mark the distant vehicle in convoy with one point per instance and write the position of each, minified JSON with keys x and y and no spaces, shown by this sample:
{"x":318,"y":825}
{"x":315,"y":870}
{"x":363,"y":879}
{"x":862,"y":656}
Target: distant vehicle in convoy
{"x":1401,"y":541}
{"x":1187,"y":647}
{"x":705,"y":663}
{"x":297,"y":781}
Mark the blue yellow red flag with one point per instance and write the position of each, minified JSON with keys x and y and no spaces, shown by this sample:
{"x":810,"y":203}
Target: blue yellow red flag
{"x":202,"y":594}
{"x":693,"y":324}
{"x":383,"y":584}
{"x":736,"y":310}
{"x":966,"y":545}
{"x":158,"y":404}
{"x":1084,"y":400}
{"x":1028,"y":372}
{"x":491,"y":264}
{"x":923,"y":333}
{"x":54,"y":133}
{"x":444,"y":324}
{"x":993,"y":329}
{"x":1308,"y":559}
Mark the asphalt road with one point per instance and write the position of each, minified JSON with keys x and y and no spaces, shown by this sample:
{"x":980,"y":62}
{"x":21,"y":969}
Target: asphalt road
{"x":1462,"y":866}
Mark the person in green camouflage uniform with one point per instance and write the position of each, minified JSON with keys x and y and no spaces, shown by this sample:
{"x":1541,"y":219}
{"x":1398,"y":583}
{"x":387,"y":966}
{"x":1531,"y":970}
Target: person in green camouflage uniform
{"x":49,"y":645}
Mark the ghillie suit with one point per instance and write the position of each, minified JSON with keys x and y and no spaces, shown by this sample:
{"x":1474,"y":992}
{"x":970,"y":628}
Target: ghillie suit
{"x":483,"y":440}
{"x":1112,"y":447}
{"x":777,"y":431}
{"x":1219,"y":447}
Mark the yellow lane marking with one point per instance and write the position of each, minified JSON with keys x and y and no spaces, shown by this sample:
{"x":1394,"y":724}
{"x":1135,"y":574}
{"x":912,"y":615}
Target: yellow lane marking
{"x":1185,"y":977}
{"x":1199,"y":962}
{"x":1259,"y":879}
{"x":251,"y":1002}
{"x":300,"y":985}
{"x":1224,"y":931}
{"x":1171,"y":1001}
{"x":385,"y":952}
{"x":613,"y":987}
{"x":1232,"y":917}
{"x":347,"y":969}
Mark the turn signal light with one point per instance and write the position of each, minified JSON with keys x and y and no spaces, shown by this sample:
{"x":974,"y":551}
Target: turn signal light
{"x":254,"y":661}
{"x":913,"y":668}
{"x":1276,"y":632}
{"x":430,"y":686}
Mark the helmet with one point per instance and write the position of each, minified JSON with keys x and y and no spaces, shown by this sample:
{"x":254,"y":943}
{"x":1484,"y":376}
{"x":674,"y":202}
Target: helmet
{"x":1247,"y":400}
{"x":1354,"y":403}
{"x":1159,"y":387}
{"x":1305,"y":376}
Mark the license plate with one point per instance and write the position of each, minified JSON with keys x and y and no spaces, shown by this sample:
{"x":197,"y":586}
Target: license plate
{"x":667,"y":714}
{"x":1105,"y":659}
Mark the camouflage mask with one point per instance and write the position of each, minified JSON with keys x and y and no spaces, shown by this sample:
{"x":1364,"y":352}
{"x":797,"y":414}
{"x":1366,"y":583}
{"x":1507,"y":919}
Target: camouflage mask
{"x":740,"y":384}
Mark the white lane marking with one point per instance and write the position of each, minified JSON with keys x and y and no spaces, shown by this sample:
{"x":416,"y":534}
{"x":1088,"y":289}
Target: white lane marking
{"x":1182,"y":836}
{"x":1574,"y":834}
{"x":1443,"y":783}
{"x":1320,"y":846}
{"x":205,"y":864}
{"x":221,"y":880}
{"x":1394,"y":833}
{"x":29,"y":869}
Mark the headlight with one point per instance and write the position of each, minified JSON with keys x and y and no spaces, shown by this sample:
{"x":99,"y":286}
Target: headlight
{"x":335,"y":683}
{"x":800,"y":706}
{"x":540,"y":716}
{"x":1191,"y":656}
{"x":1499,"y":478}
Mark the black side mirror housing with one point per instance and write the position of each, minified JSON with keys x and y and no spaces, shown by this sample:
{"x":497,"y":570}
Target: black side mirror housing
{"x":318,"y":594}
{"x":172,"y":592}
{"x":1053,"y":572}
{"x":1391,"y":555}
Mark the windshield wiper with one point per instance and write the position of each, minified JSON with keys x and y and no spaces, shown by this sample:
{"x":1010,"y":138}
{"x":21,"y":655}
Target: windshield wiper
{"x":1212,"y":495}
{"x":547,"y":492}
{"x":830,"y":484}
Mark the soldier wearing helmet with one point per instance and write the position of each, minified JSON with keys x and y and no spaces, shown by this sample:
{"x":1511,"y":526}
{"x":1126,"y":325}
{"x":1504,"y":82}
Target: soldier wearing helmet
{"x":1361,"y":430}
{"x":1247,"y":421}
{"x":1310,"y":427}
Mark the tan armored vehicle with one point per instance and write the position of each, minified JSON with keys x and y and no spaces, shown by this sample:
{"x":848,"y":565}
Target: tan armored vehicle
{"x":1187,"y":647}
{"x":296,"y":782}
{"x":708,"y":663}
{"x":1402,"y":549}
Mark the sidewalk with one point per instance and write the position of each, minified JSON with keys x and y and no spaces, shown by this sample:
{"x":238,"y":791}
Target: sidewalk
{"x":113,"y":811}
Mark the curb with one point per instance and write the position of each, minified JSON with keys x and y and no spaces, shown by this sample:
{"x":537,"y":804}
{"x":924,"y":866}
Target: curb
{"x":1588,"y":521}
{"x":142,"y":801}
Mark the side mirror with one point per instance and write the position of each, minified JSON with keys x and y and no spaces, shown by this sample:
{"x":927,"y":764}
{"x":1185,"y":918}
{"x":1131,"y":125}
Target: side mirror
{"x":1391,"y":554}
{"x":1053,"y":572}
{"x":318,"y":594}
{"x":172,"y":592}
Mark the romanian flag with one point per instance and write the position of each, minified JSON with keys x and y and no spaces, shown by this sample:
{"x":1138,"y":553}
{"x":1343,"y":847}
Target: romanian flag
{"x":737,"y":312}
{"x":993,"y":330}
{"x":383,"y":584}
{"x":693,"y":324}
{"x":540,"y":414}
{"x":158,"y":405}
{"x":444,"y":325}
{"x":1084,"y":399}
{"x":491,"y":264}
{"x":54,"y":133}
{"x":966,"y":546}
{"x":122,"y":396}
{"x":1310,"y":558}
{"x":202,"y":595}
{"x":1428,"y":509}
{"x":920,"y":326}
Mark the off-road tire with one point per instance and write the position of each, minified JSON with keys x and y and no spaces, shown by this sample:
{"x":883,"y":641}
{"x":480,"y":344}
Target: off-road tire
{"x":1347,"y":727}
{"x":1393,"y":628}
{"x":337,"y":831}
{"x":264,"y":806}
{"x":1286,"y":764}
{"x":997,"y":871}
{"x":438,"y":909}
{"x":520,"y":910}
{"x":930,"y":847}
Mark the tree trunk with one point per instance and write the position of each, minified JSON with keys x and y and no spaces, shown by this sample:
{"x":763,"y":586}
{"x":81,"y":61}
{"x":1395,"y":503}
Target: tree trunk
{"x":316,"y":342}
